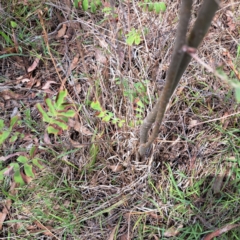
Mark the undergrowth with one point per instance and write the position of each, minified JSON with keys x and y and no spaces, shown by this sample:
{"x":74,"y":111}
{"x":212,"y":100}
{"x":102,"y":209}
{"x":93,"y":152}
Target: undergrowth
{"x":70,"y":118}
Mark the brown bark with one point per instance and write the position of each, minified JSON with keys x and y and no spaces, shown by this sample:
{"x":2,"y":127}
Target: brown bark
{"x":178,"y":65}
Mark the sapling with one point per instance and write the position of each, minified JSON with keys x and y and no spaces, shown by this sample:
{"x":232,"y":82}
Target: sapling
{"x":178,"y":64}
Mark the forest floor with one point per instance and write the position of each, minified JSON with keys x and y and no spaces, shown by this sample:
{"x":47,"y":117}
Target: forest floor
{"x":78,"y":177}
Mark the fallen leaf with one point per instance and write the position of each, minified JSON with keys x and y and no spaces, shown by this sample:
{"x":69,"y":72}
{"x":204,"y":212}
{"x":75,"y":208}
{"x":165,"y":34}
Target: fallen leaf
{"x":172,"y":231}
{"x":48,"y":84}
{"x":34,"y":64}
{"x":25,"y":178}
{"x":193,"y":123}
{"x":100,"y":57}
{"x":46,"y":138}
{"x":76,"y":144}
{"x":62,"y":31}
{"x":4,"y":212}
{"x":116,"y":168}
{"x":79,"y":128}
{"x":74,"y":62}
{"x":220,"y":231}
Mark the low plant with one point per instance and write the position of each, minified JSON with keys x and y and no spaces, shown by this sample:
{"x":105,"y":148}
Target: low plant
{"x":56,"y":113}
{"x":22,"y":169}
{"x":105,"y":115}
{"x":150,"y":6}
{"x":133,"y":37}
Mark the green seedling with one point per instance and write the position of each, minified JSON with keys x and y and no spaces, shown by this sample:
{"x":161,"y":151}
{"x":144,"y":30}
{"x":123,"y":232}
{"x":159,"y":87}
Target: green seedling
{"x":56,"y":113}
{"x":93,"y":4}
{"x":21,"y":169}
{"x":7,"y":132}
{"x":157,"y":7}
{"x":133,"y":37}
{"x":106,"y":116}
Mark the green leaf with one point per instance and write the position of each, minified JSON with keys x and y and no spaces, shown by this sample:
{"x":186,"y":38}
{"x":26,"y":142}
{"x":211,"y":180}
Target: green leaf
{"x":85,"y":5}
{"x":51,"y":107}
{"x":32,"y":151}
{"x":76,"y":3}
{"x":13,"y":121}
{"x":60,"y":98}
{"x":2,"y":174}
{"x":115,"y":120}
{"x":51,"y":129}
{"x":28,"y":170}
{"x":93,"y":7}
{"x":17,"y":175}
{"x":6,"y":38}
{"x":120,"y":123}
{"x":237,"y":93}
{"x":22,"y":159}
{"x":159,"y":7}
{"x":96,"y":106}
{"x":150,"y":7}
{"x":14,"y":138}
{"x":36,"y":163}
{"x":1,"y":124}
{"x":44,"y":114}
{"x":98,"y":3}
{"x":139,"y":110}
{"x":13,"y":24}
{"x":130,"y":40}
{"x":140,"y":104}
{"x":137,"y":40}
{"x":62,"y":125}
{"x":69,"y":113}
{"x":106,"y":119}
{"x":3,"y":136}
{"x":102,"y":114}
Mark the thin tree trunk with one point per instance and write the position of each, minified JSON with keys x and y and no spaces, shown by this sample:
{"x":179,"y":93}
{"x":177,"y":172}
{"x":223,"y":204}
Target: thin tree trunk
{"x":178,"y":65}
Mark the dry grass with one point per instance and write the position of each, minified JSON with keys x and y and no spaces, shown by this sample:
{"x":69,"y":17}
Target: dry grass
{"x":96,"y":189}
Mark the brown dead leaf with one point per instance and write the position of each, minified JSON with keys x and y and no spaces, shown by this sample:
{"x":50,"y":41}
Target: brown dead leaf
{"x":79,"y":128}
{"x":116,"y":168}
{"x":74,"y":62}
{"x":7,"y":94}
{"x":193,"y":123}
{"x":100,"y":57}
{"x":34,"y":64}
{"x":48,"y":84}
{"x":172,"y":231}
{"x":4,"y":212}
{"x":46,"y":138}
{"x":220,"y":231}
{"x":125,"y":237}
{"x":76,"y":144}
{"x":62,"y":31}
{"x":25,"y":178}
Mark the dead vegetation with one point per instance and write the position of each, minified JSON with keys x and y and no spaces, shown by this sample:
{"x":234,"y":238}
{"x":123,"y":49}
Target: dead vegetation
{"x":91,"y":185}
